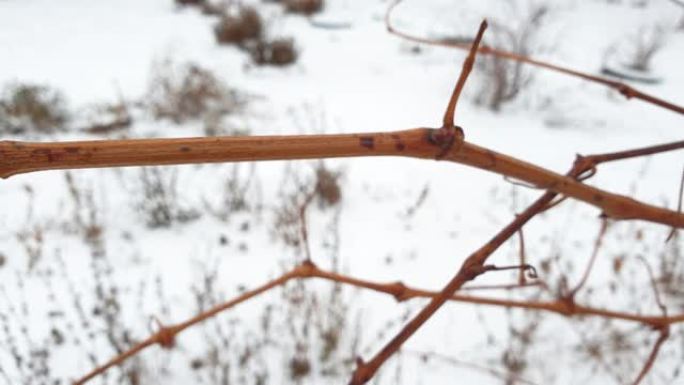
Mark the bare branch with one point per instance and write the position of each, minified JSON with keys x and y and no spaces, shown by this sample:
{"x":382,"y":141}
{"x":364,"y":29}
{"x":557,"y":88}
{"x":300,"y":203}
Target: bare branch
{"x":165,"y":336}
{"x":664,"y":330}
{"x":465,"y":71}
{"x":664,"y":334}
{"x":471,"y":268}
{"x":18,"y":157}
{"x":624,"y":89}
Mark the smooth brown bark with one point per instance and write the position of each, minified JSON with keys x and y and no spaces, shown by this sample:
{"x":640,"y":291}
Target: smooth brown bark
{"x":22,"y":157}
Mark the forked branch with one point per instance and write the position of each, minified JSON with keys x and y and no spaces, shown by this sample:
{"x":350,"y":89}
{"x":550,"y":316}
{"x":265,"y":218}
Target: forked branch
{"x":166,"y":335}
{"x":474,"y":265}
{"x":22,"y":157}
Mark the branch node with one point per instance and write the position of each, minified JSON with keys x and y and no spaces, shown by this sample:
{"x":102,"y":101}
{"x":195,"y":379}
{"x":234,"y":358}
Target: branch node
{"x":473,"y":270}
{"x":166,"y":337}
{"x":627,"y":91}
{"x":444,"y":138}
{"x":306,"y":269}
{"x":568,"y":305}
{"x":361,"y":374}
{"x":399,"y":291}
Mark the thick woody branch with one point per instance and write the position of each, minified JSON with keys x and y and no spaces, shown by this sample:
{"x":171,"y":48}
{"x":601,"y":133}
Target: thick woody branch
{"x":22,"y":157}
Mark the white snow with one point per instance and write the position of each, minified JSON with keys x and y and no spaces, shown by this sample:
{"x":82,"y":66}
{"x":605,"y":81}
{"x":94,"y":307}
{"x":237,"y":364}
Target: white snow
{"x":346,"y":80}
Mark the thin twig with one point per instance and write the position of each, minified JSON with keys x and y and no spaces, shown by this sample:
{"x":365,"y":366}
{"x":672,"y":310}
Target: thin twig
{"x":523,"y":258}
{"x":654,"y":285}
{"x":662,"y":337}
{"x":509,"y":286}
{"x":664,"y":330}
{"x":302,"y":223}
{"x":450,"y":112}
{"x":480,"y":368}
{"x":165,"y":336}
{"x":422,"y":143}
{"x":597,"y":245}
{"x":679,"y":206}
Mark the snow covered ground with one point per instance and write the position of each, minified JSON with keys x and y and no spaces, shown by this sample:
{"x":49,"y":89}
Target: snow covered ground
{"x":346,"y":80}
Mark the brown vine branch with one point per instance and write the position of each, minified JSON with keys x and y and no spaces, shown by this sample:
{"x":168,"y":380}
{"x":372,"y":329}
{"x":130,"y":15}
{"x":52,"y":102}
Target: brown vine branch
{"x":165,"y":337}
{"x":474,"y":265}
{"x":624,"y":89}
{"x":450,"y":133}
{"x":662,"y":337}
{"x":470,"y":269}
{"x":22,"y":157}
{"x":468,"y":63}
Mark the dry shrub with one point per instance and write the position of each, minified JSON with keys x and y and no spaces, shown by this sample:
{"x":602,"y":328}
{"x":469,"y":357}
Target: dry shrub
{"x":190,"y":2}
{"x":327,"y":188}
{"x":306,"y":7}
{"x":158,"y":201}
{"x":211,"y":9}
{"x":503,"y":80}
{"x":30,"y":108}
{"x":240,"y":28}
{"x":103,"y":119}
{"x":277,"y":52}
{"x":188,"y":92}
{"x":643,"y":46}
{"x":215,"y":124}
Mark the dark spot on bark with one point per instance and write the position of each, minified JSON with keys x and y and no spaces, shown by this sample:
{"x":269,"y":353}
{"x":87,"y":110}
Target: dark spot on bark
{"x":17,"y":145}
{"x":492,"y":158}
{"x":367,"y":142}
{"x":184,"y":149}
{"x":598,"y":198}
{"x":72,"y":150}
{"x":398,"y":143}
